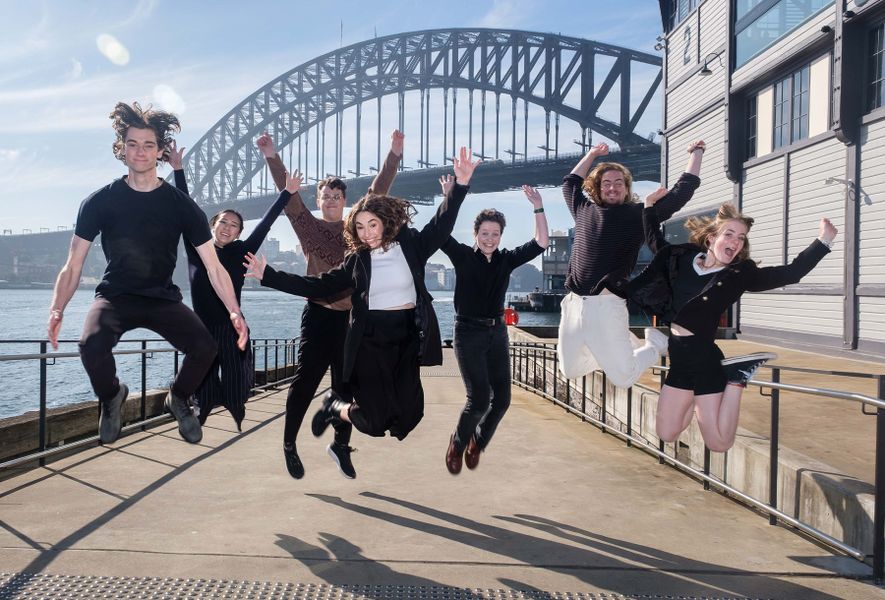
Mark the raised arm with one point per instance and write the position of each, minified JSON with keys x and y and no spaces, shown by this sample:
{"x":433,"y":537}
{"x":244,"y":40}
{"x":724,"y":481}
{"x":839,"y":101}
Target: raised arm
{"x":65,"y":286}
{"x":583,"y":167}
{"x":685,"y":186}
{"x":175,"y":159}
{"x":255,"y":239}
{"x":542,"y":235}
{"x":224,"y":289}
{"x":651,"y":223}
{"x":440,"y":226}
{"x":387,"y":173}
{"x":768,"y":278}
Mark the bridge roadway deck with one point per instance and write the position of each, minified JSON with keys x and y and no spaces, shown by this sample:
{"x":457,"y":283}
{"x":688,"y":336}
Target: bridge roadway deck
{"x":555,"y":506}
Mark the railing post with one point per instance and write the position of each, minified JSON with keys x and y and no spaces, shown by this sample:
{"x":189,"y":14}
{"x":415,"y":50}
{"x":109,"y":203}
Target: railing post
{"x":663,"y":376}
{"x":629,"y":415}
{"x":706,"y":467}
{"x":266,"y":378}
{"x":175,"y":366}
{"x":774,"y":444}
{"x":43,"y":350}
{"x":544,"y":372}
{"x":603,"y":397}
{"x":276,"y":359}
{"x":879,"y":509}
{"x":143,"y":383}
{"x":583,"y":397}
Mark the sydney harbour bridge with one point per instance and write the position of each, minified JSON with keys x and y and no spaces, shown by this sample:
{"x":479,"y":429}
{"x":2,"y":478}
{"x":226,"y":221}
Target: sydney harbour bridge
{"x":527,"y":103}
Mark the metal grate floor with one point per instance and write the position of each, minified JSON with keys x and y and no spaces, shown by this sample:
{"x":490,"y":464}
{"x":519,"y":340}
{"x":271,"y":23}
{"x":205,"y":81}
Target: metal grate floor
{"x":38,"y":585}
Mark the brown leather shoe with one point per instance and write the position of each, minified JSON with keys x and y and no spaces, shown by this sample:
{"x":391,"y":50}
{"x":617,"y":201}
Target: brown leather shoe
{"x":453,"y":458}
{"x":471,"y":456}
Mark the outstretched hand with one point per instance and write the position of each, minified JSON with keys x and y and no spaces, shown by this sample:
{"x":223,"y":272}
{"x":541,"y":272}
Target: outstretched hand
{"x":396,"y":142}
{"x":533,"y":196}
{"x":828,"y":231}
{"x":656,"y":195}
{"x":265,"y":145}
{"x":175,"y":156}
{"x":446,"y":182}
{"x":294,"y":181}
{"x":255,"y":266}
{"x":464,"y":167}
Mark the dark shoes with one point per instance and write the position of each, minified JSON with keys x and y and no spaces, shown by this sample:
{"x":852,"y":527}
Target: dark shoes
{"x":471,"y":455}
{"x":293,"y":461}
{"x":188,"y":425}
{"x":740,"y":369}
{"x":328,"y":414}
{"x":454,"y":458}
{"x":110,"y":422}
{"x":340,"y":453}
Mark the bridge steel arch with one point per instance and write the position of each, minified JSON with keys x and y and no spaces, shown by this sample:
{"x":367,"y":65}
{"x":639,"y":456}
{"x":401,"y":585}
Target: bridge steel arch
{"x":557,"y":73}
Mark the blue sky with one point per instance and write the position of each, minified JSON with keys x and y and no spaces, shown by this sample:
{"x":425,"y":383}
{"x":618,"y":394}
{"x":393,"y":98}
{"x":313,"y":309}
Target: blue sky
{"x":63,"y":65}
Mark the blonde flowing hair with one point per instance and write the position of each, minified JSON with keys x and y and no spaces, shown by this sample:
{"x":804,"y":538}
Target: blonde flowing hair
{"x":593,"y":182}
{"x":701,"y":229}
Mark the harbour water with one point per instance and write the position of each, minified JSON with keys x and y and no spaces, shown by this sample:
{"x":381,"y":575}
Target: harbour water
{"x":269,"y":314}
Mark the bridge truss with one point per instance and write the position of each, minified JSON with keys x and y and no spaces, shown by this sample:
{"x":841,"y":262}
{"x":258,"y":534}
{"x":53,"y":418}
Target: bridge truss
{"x":599,"y":87}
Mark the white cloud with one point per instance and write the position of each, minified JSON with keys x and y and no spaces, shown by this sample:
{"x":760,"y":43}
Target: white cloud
{"x":112,"y":49}
{"x":142,"y":12}
{"x":503,"y":14}
{"x":8,"y":155}
{"x":76,"y":70}
{"x":168,"y":99}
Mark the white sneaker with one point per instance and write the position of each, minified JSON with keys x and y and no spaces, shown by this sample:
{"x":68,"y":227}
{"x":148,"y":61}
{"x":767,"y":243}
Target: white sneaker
{"x":657,"y":339}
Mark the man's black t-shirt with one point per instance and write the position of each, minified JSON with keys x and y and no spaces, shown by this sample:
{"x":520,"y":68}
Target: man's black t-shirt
{"x":140,"y":232}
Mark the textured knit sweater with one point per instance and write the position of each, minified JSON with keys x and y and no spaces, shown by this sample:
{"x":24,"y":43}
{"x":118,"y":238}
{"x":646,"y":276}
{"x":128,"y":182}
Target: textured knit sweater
{"x":608,"y":238}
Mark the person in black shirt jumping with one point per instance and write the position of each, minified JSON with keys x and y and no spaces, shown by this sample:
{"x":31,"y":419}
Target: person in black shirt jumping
{"x":689,"y":286}
{"x":141,"y":219}
{"x":594,"y":328}
{"x":482,"y":274}
{"x":232,"y":388}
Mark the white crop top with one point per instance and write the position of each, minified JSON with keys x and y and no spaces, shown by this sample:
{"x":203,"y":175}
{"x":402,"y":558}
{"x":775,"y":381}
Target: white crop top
{"x":392,"y":283}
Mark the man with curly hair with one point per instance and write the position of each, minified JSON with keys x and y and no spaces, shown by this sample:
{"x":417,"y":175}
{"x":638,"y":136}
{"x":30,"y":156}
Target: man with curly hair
{"x":141,"y":219}
{"x":594,"y":327}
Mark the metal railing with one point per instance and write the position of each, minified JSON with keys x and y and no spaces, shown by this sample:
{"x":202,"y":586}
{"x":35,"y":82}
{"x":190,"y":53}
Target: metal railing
{"x":531,"y":362}
{"x":272,"y":350}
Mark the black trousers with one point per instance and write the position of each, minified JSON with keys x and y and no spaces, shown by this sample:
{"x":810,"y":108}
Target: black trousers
{"x":323,"y":332}
{"x":386,"y":381}
{"x":229,"y":380}
{"x":483,"y":355}
{"x":109,"y":318}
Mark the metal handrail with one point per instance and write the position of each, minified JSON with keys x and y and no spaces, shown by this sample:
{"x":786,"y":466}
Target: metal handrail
{"x":47,"y":358}
{"x":520,"y":351}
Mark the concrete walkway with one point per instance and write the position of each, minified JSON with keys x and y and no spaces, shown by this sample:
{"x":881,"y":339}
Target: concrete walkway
{"x":555,"y":506}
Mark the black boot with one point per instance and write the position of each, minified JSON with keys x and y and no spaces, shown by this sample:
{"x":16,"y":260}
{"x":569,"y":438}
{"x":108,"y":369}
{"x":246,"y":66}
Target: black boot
{"x":328,"y":414}
{"x":293,"y":461}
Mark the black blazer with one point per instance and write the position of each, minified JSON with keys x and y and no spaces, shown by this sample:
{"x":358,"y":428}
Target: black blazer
{"x":355,"y":273}
{"x":653,"y":288}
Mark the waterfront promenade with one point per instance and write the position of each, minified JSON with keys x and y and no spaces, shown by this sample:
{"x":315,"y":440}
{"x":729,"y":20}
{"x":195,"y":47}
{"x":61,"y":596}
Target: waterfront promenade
{"x":556,"y":506}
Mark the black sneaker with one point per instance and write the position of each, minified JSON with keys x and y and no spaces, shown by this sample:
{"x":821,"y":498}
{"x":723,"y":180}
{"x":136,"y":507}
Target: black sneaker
{"x":188,"y":425}
{"x":340,"y":453}
{"x":293,"y":461}
{"x":328,"y":414}
{"x":740,"y":369}
{"x":110,"y":421}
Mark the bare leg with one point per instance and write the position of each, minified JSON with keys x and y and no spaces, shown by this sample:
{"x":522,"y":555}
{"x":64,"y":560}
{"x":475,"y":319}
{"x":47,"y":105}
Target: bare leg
{"x":718,"y":417}
{"x":674,"y":412}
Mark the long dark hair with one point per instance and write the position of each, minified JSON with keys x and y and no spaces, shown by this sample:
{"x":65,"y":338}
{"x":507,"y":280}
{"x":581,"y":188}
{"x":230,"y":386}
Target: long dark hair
{"x":393,"y":213}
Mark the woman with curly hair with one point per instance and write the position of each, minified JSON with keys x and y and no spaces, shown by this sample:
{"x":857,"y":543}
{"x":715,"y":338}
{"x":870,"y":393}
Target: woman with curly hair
{"x":393,"y":328}
{"x":689,"y":286}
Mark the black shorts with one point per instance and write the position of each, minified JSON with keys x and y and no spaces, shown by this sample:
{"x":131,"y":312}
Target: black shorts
{"x":695,"y":365}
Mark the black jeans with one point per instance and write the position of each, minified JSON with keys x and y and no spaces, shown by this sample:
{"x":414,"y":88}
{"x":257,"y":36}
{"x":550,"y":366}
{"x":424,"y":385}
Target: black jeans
{"x":483,"y":357}
{"x":109,"y":318}
{"x":323,"y":332}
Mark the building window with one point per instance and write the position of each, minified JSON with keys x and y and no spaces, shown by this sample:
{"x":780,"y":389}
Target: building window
{"x":791,"y":108}
{"x":679,"y":11}
{"x":876,"y":78}
{"x":751,"y":127}
{"x":761,"y":23}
